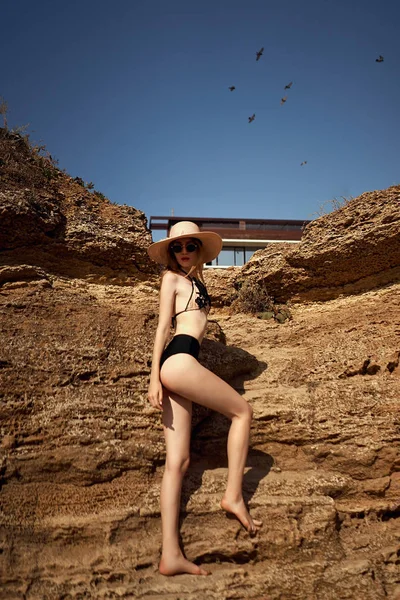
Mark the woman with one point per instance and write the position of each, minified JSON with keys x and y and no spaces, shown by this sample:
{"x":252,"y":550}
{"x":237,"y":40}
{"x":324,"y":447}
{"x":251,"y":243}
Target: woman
{"x":177,"y":379}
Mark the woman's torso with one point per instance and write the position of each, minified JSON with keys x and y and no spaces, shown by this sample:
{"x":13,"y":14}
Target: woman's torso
{"x":191,"y":316}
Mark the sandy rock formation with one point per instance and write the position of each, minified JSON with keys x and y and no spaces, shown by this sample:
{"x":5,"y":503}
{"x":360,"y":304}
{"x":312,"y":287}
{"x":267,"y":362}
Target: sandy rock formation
{"x":221,"y":285}
{"x":82,"y":450}
{"x":352,"y":250}
{"x":49,"y":220}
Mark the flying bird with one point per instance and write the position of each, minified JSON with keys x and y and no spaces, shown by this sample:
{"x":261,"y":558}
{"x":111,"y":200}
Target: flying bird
{"x":303,"y":163}
{"x":259,"y":53}
{"x":380,"y":59}
{"x":288,"y":86}
{"x":253,"y":116}
{"x":283,"y":100}
{"x":232,"y":88}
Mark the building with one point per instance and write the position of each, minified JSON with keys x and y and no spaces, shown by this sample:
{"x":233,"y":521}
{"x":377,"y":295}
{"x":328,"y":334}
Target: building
{"x":241,"y":237}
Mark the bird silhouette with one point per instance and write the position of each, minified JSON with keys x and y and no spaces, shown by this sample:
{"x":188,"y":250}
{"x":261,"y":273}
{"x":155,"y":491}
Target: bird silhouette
{"x":303,"y":163}
{"x":380,"y":59}
{"x":288,"y":86}
{"x":232,"y":88}
{"x":259,"y":53}
{"x":283,"y":100}
{"x":253,"y":116}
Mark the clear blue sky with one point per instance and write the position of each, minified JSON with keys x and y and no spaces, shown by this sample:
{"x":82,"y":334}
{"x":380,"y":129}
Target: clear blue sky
{"x":134,"y":97}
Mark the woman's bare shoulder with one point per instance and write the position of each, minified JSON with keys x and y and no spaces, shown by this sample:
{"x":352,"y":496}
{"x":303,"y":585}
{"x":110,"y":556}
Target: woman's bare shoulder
{"x":169,"y":275}
{"x":169,"y":278}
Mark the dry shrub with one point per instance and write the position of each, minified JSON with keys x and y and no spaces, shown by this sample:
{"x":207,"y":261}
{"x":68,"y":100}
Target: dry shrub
{"x":3,"y":111}
{"x":253,"y":298}
{"x":23,"y":164}
{"x":333,"y":204}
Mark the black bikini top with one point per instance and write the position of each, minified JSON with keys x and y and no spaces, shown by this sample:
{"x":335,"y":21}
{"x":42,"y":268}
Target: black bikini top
{"x":202,"y":299}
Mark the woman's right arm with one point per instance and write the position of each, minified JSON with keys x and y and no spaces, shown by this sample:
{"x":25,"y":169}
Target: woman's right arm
{"x":167,"y":304}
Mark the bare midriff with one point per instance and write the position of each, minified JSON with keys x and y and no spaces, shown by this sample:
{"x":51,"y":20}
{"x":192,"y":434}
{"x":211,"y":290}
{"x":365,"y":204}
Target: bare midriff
{"x":192,"y":323}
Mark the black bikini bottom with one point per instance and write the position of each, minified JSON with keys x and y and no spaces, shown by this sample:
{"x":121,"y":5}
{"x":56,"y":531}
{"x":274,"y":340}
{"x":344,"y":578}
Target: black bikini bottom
{"x":181,"y":343}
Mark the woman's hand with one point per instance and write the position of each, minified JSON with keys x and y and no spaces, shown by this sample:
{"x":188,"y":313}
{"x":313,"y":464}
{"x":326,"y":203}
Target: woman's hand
{"x":155,"y":394}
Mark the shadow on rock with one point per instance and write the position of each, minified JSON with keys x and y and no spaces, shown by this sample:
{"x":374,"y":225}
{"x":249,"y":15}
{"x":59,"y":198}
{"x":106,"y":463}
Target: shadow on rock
{"x":258,"y":465}
{"x":231,"y":363}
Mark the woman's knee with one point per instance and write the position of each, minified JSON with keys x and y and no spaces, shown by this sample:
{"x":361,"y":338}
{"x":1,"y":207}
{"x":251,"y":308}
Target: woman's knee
{"x":245,"y":412}
{"x":178,"y":465}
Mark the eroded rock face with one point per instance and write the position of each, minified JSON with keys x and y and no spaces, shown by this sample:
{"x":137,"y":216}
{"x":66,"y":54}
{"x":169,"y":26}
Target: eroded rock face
{"x":51,"y":221}
{"x":82,"y":450}
{"x":221,"y":285}
{"x":354,"y":249}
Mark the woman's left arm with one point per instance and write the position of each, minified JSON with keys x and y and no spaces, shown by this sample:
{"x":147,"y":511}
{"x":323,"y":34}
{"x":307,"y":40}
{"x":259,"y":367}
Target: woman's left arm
{"x":167,"y":303}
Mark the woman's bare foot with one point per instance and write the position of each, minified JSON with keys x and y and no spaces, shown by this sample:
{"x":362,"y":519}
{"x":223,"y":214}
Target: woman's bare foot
{"x":179,"y":564}
{"x":240,"y":511}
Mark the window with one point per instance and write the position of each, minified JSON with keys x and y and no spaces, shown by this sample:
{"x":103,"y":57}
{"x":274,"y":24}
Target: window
{"x":239,"y":257}
{"x":226,"y":257}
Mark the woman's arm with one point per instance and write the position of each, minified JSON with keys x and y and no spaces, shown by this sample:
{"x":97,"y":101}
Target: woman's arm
{"x":167,"y":304}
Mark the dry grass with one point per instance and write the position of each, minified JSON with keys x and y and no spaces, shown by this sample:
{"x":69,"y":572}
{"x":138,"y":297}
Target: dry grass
{"x":333,"y":204}
{"x":27,"y":165}
{"x":23,"y":164}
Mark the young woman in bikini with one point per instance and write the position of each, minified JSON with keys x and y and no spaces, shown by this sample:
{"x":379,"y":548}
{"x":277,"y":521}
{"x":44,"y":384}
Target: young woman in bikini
{"x":177,"y":379}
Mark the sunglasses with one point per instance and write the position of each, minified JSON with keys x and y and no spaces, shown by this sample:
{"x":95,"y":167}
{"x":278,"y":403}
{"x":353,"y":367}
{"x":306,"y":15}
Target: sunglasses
{"x":190,"y":247}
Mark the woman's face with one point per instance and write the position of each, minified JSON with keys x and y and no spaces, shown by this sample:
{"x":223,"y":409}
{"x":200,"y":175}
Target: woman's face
{"x":186,"y":252}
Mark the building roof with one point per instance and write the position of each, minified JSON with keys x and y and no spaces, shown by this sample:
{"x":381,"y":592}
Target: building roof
{"x":232,"y":228}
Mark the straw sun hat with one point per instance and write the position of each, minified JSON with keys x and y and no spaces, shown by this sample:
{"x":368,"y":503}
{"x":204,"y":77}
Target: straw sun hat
{"x":211,"y":242}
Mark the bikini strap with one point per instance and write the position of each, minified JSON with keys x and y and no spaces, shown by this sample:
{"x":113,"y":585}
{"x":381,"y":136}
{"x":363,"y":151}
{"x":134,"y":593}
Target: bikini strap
{"x":188,"y":302}
{"x":203,"y":300}
{"x":191,"y":293}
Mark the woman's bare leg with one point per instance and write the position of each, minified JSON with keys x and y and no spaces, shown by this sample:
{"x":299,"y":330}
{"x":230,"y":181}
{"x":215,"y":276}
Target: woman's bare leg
{"x":177,"y":413}
{"x":184,"y":375}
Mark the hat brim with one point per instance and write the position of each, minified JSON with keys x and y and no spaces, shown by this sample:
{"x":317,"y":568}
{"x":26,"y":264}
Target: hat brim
{"x":211,"y":246}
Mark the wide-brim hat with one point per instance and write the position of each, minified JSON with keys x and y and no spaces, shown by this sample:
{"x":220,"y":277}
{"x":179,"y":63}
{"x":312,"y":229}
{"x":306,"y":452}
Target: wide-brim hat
{"x":211,"y":242}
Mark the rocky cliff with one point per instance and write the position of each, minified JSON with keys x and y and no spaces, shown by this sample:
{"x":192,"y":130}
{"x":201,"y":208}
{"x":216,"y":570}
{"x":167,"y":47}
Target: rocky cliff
{"x":354,"y":249}
{"x":82,"y":450}
{"x":49,"y":220}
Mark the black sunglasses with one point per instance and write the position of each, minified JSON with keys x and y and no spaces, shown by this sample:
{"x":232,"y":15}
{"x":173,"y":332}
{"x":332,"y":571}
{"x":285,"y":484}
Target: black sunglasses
{"x":190,"y":247}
